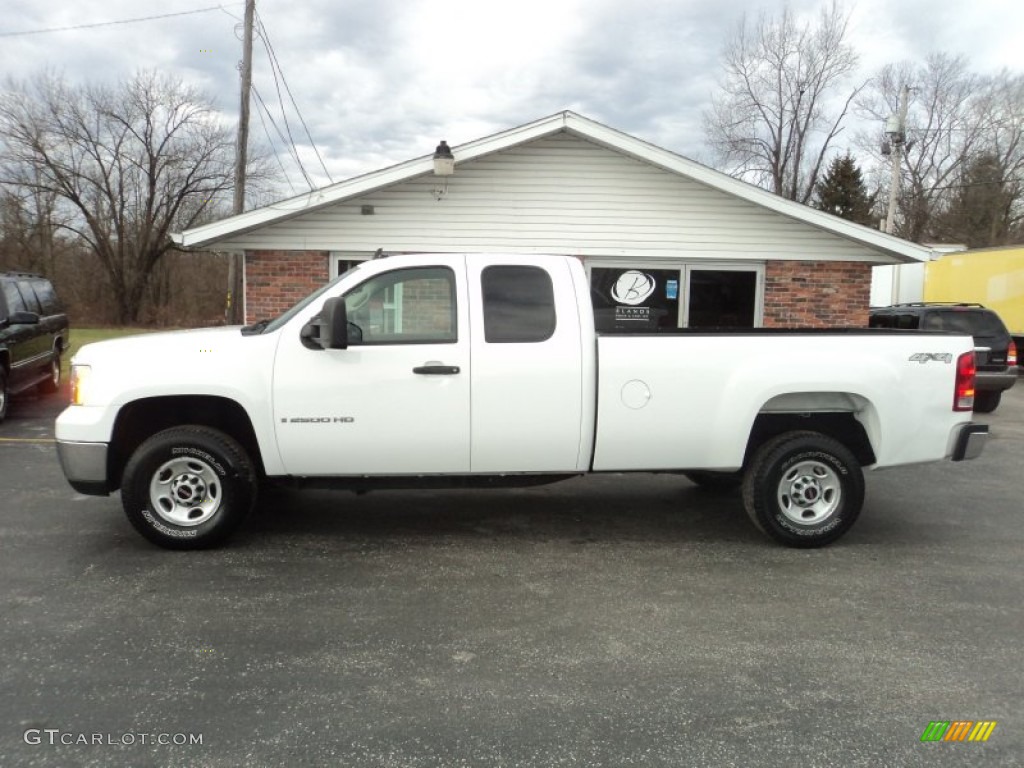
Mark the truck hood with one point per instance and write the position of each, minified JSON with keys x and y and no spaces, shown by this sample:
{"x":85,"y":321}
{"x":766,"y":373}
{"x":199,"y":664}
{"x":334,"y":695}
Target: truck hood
{"x":206,"y":361}
{"x":166,"y":348}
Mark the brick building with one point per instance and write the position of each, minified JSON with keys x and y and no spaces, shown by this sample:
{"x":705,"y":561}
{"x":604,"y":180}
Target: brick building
{"x":707,"y":249}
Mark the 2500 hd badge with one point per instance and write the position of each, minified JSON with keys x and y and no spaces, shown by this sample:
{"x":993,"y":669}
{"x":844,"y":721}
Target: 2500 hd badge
{"x":319,"y":420}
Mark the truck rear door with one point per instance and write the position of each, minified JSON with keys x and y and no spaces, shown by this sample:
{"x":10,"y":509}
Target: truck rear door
{"x":532,"y":378}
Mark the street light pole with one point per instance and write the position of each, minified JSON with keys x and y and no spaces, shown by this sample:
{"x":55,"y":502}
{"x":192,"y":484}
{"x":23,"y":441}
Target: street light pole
{"x":235,"y":267}
{"x":898,"y":135}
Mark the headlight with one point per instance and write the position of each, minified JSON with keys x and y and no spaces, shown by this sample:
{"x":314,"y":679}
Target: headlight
{"x":79,"y":383}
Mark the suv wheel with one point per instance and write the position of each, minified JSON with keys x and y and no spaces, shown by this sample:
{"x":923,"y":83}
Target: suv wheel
{"x":4,"y":394}
{"x":52,"y":383}
{"x":986,"y":402}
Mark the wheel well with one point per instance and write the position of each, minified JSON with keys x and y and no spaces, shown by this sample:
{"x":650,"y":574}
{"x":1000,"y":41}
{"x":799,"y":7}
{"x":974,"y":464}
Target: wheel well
{"x":142,"y":419}
{"x":841,"y":426}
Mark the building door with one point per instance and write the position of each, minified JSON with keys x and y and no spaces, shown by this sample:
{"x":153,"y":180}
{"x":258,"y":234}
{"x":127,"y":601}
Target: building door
{"x":721,"y":298}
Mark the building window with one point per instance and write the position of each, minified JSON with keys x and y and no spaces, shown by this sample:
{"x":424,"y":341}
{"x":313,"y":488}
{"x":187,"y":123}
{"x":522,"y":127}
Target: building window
{"x":343,"y":261}
{"x":634,"y":299}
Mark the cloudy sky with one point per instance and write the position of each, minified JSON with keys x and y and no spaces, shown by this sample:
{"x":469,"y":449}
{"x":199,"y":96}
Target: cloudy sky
{"x":380,"y":81}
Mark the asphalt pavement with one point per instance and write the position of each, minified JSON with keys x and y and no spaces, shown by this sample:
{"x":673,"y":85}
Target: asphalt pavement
{"x":605,"y":621}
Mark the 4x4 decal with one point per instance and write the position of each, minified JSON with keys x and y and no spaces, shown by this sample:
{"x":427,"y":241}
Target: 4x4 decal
{"x":925,"y":357}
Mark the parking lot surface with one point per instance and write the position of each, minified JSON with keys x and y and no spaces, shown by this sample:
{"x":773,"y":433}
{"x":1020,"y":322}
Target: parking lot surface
{"x":617,"y":620}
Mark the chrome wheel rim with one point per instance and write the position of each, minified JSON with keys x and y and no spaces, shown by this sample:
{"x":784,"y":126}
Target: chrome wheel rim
{"x":185,"y":492}
{"x":55,"y":371}
{"x":809,"y":493}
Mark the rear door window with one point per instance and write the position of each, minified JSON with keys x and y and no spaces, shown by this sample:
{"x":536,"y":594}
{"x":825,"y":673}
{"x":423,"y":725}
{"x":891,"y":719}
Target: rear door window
{"x":47,"y":297}
{"x":519,"y":304}
{"x":29,"y":297}
{"x":880,"y":321}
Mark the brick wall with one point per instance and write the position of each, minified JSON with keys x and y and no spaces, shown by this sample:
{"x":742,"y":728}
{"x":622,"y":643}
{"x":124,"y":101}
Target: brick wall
{"x":275,"y":280}
{"x":807,"y":294}
{"x":816,"y":294}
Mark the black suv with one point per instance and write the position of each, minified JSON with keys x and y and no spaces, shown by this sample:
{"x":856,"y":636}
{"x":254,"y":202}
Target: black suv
{"x":33,"y":336}
{"x":995,"y":351}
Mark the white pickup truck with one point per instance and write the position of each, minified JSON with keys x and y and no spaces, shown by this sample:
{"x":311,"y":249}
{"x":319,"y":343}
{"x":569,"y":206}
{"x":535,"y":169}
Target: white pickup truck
{"x":483,"y":369}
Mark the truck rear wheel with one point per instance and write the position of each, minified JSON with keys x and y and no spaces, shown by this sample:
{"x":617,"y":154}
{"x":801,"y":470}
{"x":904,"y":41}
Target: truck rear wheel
{"x":803,"y":489}
{"x":188,"y":487}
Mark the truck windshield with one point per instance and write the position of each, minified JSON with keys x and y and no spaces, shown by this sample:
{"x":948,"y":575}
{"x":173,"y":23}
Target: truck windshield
{"x":281,"y":320}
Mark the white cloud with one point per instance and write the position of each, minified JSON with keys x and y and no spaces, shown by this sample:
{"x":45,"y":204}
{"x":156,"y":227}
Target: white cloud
{"x":381,"y":81}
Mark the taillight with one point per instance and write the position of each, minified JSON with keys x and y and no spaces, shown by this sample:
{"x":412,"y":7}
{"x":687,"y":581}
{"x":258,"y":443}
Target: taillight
{"x":963,"y":396}
{"x":1011,"y":353}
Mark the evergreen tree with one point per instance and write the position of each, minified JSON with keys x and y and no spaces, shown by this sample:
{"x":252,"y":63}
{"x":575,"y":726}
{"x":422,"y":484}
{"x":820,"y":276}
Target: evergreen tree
{"x":841,"y":191}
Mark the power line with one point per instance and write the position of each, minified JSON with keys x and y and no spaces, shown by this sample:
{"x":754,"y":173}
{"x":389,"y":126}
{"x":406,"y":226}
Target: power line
{"x":109,"y":23}
{"x":270,"y":139}
{"x":275,"y":64}
{"x":293,"y":151}
{"x":284,"y":117}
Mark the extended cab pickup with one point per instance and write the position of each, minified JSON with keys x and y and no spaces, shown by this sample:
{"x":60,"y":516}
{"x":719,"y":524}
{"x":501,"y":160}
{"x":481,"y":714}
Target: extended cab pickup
{"x":426,"y":370}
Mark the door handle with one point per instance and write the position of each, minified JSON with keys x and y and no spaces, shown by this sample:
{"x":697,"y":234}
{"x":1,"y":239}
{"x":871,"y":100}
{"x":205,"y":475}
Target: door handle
{"x":437,"y":370}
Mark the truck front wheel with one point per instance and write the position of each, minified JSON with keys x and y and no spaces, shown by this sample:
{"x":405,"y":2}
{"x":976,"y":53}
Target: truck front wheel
{"x":803,"y":489}
{"x":188,"y":487}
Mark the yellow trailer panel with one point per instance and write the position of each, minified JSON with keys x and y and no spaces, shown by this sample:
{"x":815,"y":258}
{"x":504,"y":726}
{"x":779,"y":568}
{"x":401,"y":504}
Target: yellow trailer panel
{"x":990,"y":276}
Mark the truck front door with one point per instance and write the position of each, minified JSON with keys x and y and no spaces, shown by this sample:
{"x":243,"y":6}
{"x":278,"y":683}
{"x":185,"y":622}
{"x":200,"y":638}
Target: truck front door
{"x":397,"y":400}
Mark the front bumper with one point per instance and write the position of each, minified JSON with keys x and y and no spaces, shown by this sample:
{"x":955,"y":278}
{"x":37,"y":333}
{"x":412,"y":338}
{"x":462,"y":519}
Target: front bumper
{"x":85,"y":466}
{"x":970,"y":441}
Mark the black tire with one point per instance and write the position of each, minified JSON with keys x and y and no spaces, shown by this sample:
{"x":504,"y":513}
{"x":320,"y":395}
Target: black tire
{"x":51,"y":384}
{"x":986,"y":402}
{"x":716,"y":482}
{"x":173,"y":468}
{"x":5,"y":395}
{"x":803,"y":489}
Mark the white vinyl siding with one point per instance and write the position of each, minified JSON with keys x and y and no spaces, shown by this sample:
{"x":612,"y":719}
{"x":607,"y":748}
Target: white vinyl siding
{"x":558,"y":194}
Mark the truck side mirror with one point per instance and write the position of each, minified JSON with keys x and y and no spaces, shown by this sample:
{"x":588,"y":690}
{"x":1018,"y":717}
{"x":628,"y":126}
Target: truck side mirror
{"x":329,"y":329}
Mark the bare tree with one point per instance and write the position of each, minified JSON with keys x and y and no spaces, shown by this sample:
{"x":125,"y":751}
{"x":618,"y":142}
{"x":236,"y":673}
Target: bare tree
{"x":1001,"y":106}
{"x":943,"y":130}
{"x":28,"y":229}
{"x":779,"y":109}
{"x":128,"y":163}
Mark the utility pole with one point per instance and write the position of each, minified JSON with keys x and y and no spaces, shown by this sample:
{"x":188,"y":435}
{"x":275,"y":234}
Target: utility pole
{"x":235,"y":266}
{"x":897,"y":132}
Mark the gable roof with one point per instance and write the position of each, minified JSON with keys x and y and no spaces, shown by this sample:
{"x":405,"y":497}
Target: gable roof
{"x":570,"y":122}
